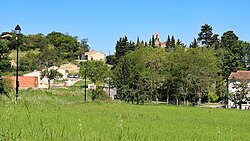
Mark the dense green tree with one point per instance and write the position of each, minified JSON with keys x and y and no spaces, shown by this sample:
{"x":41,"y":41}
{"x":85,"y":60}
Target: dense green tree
{"x":66,"y":44}
{"x":246,"y":54}
{"x":228,"y":39}
{"x":153,"y":41}
{"x":205,"y":35}
{"x":172,"y":42}
{"x":110,"y":60}
{"x":32,"y":42}
{"x":138,"y":74}
{"x":233,"y":55}
{"x":194,"y":44}
{"x":28,"y":62}
{"x":47,"y":58}
{"x":123,"y":46}
{"x":96,"y":71}
{"x":4,"y":57}
{"x":215,"y":41}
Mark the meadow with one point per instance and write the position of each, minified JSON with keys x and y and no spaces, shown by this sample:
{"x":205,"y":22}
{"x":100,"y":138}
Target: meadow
{"x":61,"y":114}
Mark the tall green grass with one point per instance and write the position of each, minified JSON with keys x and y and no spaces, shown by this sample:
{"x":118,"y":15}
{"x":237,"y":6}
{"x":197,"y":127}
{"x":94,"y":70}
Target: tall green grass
{"x":44,"y":115}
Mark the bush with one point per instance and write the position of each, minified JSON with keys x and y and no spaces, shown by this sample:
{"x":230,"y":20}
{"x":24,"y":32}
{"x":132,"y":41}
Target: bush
{"x":212,"y":97}
{"x":5,"y":86}
{"x":99,"y":94}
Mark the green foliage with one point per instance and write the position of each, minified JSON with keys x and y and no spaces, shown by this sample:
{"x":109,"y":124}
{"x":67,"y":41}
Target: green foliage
{"x":4,"y":57}
{"x":95,"y":70}
{"x":28,"y":62}
{"x":111,"y":60}
{"x":5,"y":86}
{"x":205,"y":36}
{"x":212,"y":97}
{"x":100,"y":95}
{"x":122,"y":47}
{"x":194,"y":44}
{"x":148,"y":73}
{"x":47,"y":58}
{"x":138,"y":73}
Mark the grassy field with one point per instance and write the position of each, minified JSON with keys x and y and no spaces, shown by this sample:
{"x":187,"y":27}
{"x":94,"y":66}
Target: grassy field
{"x":62,"y":115}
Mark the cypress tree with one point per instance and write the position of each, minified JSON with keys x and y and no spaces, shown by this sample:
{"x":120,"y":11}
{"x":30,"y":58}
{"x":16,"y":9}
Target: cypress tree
{"x":173,"y":42}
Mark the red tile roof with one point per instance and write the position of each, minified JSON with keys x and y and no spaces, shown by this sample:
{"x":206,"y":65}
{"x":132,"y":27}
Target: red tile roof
{"x":240,"y":75}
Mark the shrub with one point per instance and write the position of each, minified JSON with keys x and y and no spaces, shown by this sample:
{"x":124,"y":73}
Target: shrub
{"x":212,"y":97}
{"x":5,"y":86}
{"x":99,"y":94}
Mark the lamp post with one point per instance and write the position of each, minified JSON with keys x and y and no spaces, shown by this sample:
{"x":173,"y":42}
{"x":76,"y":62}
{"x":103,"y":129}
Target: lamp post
{"x":85,"y":69}
{"x":85,"y":59}
{"x":18,"y":31}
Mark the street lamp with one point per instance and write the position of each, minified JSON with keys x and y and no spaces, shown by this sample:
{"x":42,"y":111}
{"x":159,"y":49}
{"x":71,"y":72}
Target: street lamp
{"x":18,"y":31}
{"x":85,"y":69}
{"x":85,"y":59}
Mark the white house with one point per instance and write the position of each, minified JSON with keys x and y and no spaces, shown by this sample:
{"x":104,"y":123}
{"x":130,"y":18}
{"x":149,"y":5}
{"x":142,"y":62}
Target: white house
{"x":236,"y":78}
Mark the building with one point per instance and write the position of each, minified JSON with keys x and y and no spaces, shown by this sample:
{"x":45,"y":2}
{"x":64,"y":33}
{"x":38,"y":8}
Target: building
{"x":158,"y":42}
{"x":70,"y":68}
{"x":42,"y":83}
{"x":24,"y":81}
{"x":6,"y":37}
{"x":92,"y":55}
{"x":238,"y":77}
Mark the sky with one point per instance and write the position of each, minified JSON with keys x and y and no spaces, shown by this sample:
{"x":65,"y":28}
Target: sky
{"x":103,"y":22}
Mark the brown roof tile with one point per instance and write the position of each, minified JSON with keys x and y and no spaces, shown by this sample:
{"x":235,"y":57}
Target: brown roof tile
{"x":240,"y":75}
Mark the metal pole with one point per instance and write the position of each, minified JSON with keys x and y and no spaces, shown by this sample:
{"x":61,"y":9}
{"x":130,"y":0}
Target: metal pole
{"x":17,"y":82}
{"x":109,"y":87}
{"x":85,"y":93}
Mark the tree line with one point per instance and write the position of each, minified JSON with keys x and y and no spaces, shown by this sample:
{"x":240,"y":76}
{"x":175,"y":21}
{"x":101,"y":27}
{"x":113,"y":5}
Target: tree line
{"x":45,"y":51}
{"x":194,"y":73}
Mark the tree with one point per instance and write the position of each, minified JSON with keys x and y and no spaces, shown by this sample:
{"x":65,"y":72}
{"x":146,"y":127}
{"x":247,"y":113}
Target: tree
{"x":228,"y":39}
{"x":153,"y":41}
{"x":205,"y":35}
{"x":233,"y":55}
{"x":123,"y":46}
{"x":194,"y":71}
{"x":215,"y":41}
{"x":168,"y":44}
{"x":27,"y":62}
{"x":241,"y":91}
{"x":96,"y":71}
{"x":32,"y":42}
{"x":110,"y":60}
{"x":138,"y":73}
{"x":172,"y":42}
{"x":47,"y":58}
{"x":246,"y":50}
{"x":50,"y":75}
{"x":4,"y":57}
{"x":67,"y":45}
{"x":194,"y":44}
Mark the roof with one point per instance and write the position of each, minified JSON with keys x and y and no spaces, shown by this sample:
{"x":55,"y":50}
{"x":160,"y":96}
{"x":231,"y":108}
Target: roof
{"x":93,"y":52}
{"x":240,"y":75}
{"x":34,"y":73}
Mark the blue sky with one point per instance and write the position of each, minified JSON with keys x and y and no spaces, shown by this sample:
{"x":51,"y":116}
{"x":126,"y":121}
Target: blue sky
{"x":103,"y":22}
